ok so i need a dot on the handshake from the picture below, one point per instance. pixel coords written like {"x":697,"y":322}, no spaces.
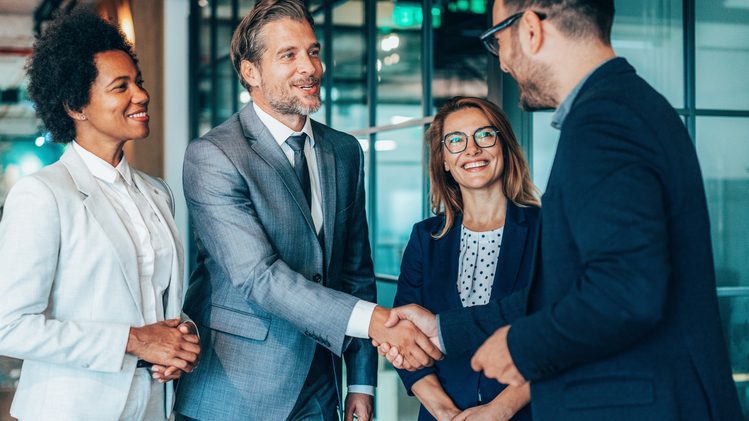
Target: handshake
{"x":171,"y":346}
{"x":406,"y":336}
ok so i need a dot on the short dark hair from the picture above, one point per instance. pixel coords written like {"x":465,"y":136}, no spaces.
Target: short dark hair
{"x":62,"y":68}
{"x":246,"y":43}
{"x":575,"y":18}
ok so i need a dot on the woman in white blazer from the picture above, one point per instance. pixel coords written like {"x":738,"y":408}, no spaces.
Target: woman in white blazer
{"x":90,"y":261}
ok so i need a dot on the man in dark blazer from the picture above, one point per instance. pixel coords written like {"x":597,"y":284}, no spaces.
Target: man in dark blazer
{"x":621,"y":317}
{"x":284,"y":284}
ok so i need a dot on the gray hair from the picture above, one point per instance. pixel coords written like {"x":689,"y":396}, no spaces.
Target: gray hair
{"x":246,"y":43}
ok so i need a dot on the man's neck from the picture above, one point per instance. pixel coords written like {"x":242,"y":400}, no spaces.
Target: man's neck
{"x":578,"y":63}
{"x":293,"y":121}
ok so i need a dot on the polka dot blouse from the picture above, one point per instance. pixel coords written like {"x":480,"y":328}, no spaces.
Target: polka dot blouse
{"x":479,"y":254}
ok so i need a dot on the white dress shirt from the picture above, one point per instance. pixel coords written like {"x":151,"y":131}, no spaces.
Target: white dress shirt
{"x":358,"y":324}
{"x":154,"y":249}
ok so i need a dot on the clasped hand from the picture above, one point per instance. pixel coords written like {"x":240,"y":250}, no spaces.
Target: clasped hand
{"x":406,"y":335}
{"x":493,"y":357}
{"x":171,"y":346}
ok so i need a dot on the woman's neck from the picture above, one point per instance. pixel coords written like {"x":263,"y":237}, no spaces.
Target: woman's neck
{"x":484,"y":210}
{"x":110,"y":152}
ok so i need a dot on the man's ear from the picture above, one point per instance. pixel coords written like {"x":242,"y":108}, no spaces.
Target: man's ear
{"x":532,"y":32}
{"x":250,"y":73}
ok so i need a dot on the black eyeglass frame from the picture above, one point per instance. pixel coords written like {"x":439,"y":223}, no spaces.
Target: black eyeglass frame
{"x":490,"y":41}
{"x":473,"y":136}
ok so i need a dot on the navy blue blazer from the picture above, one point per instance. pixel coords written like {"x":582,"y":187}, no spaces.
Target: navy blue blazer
{"x":623,"y":316}
{"x":429,"y":276}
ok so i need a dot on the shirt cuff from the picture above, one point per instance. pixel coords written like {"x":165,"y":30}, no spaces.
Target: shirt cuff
{"x":358,"y":323}
{"x":361,"y":388}
{"x":439,"y":336}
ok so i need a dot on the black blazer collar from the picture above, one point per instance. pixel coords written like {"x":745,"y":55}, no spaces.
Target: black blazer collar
{"x":514,"y":242}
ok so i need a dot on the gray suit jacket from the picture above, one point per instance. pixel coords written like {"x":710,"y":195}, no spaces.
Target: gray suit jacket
{"x":258,"y":294}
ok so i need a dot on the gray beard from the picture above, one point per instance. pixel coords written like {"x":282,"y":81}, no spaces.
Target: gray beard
{"x":290,"y":106}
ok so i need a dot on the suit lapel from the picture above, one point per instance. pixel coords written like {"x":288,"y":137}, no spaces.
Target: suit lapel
{"x":327,"y":175}
{"x":262,"y":142}
{"x":447,"y":250}
{"x":102,"y":211}
{"x":158,"y":200}
{"x":511,"y":252}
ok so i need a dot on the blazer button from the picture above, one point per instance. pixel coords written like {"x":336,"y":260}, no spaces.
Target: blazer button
{"x":317,"y":278}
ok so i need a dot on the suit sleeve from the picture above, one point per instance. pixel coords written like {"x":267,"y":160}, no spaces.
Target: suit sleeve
{"x":616,"y":213}
{"x":227,"y":224}
{"x":29,"y":255}
{"x":410,"y":284}
{"x":357,"y":278}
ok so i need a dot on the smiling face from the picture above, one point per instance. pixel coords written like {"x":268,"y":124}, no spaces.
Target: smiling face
{"x":475,"y":168}
{"x":287,"y":79}
{"x":118,"y":106}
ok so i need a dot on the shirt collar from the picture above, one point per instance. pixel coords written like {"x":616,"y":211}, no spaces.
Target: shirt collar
{"x":557,"y":120}
{"x":280,"y":131}
{"x":101,"y":169}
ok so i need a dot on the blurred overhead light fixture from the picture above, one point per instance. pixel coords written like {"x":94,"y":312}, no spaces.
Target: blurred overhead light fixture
{"x":736,"y":4}
{"x":390,"y":42}
{"x":125,"y":17}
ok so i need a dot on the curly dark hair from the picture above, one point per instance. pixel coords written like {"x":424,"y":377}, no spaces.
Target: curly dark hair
{"x":61,"y":68}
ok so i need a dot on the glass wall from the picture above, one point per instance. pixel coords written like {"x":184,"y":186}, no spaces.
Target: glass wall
{"x":390,"y":64}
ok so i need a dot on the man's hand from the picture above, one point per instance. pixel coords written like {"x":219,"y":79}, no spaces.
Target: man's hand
{"x":419,"y":316}
{"x":416,"y":348}
{"x":494,"y":359}
{"x":164,"y":344}
{"x":165,"y":374}
{"x":360,"y":404}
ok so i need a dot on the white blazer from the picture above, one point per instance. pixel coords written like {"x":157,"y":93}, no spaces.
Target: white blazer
{"x":69,"y":292}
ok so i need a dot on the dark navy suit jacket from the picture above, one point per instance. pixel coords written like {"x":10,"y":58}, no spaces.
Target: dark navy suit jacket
{"x":429,"y":276}
{"x":622,"y":317}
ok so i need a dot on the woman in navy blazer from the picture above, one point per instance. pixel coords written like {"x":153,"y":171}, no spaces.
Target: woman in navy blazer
{"x":481,"y":189}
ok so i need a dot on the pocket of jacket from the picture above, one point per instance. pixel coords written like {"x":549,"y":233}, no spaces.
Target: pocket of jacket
{"x":609,"y":391}
{"x":238,"y":323}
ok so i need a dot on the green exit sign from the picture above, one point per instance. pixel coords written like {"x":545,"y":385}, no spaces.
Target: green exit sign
{"x":409,"y":15}
{"x":471,"y":6}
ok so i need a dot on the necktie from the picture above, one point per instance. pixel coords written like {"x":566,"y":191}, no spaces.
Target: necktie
{"x":296,"y":143}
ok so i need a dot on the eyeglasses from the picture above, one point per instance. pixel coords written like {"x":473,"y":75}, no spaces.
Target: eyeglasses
{"x":489,"y":37}
{"x":457,"y":142}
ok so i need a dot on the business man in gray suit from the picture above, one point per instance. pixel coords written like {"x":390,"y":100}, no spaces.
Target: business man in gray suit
{"x":284,"y":283}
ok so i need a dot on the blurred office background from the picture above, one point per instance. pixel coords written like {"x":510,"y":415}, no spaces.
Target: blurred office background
{"x":389,"y":65}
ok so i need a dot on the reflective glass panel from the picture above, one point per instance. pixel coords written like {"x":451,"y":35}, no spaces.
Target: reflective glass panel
{"x":398,"y":61}
{"x":722,"y":54}
{"x":399,"y":194}
{"x":734,"y":312}
{"x":723,"y":150}
{"x":349,"y":93}
{"x":649,"y":34}
{"x":460,"y":61}
{"x":545,"y":140}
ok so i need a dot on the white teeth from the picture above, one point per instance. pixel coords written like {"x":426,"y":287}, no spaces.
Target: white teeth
{"x":475,"y":164}
{"x":138,"y":115}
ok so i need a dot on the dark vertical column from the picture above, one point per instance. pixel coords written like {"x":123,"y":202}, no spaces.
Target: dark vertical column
{"x":328,"y":60}
{"x":214,"y":64}
{"x":234,"y":86}
{"x":370,"y":22}
{"x":427,"y":100}
{"x":690,"y":82}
